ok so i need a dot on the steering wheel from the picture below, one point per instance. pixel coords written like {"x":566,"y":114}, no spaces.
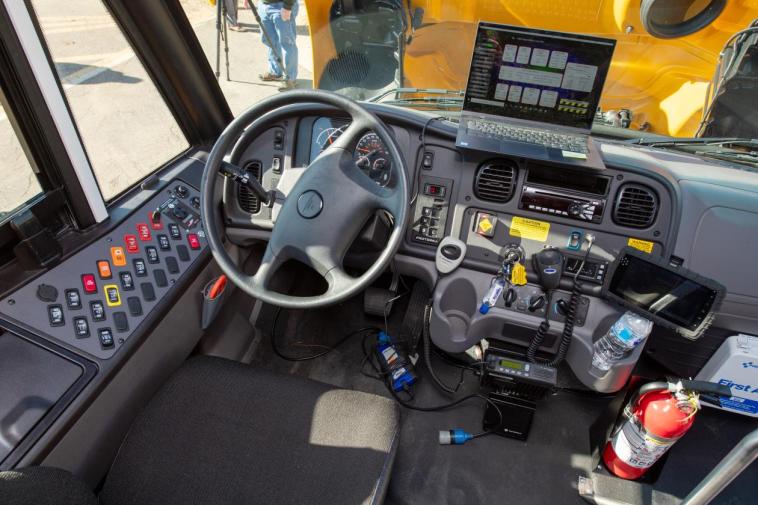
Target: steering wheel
{"x":322,"y":214}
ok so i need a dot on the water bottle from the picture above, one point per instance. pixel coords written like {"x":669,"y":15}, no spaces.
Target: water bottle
{"x":627,"y":333}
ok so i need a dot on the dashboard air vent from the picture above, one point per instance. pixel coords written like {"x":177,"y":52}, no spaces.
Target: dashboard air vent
{"x":247,"y":200}
{"x":495,"y":180}
{"x":636,"y":206}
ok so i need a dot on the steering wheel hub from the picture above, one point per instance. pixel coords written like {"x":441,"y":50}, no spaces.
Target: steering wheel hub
{"x":309,"y":204}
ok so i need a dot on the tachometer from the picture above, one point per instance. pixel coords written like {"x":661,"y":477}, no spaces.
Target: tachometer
{"x":372,"y":158}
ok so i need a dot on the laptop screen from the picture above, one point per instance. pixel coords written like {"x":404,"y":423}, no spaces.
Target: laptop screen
{"x":539,"y":75}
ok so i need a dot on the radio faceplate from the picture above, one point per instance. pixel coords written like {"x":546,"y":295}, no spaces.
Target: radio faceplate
{"x":556,"y":203}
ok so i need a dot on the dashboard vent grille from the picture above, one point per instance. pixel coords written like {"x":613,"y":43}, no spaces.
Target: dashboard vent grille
{"x":636,"y":206}
{"x":495,"y":180}
{"x":247,"y":200}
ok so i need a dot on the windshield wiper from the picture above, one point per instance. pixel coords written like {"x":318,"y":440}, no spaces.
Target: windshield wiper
{"x":735,"y":150}
{"x":752,"y":144}
{"x":431,"y":96}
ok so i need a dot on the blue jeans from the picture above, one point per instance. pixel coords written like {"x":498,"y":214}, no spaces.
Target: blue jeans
{"x":283,"y":37}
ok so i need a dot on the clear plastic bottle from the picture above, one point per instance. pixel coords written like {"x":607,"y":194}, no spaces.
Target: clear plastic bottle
{"x":627,"y":333}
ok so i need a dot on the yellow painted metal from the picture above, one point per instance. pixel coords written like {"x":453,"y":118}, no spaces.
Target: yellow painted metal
{"x":663,"y":81}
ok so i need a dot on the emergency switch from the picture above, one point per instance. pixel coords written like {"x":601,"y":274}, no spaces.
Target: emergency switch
{"x":485,"y":224}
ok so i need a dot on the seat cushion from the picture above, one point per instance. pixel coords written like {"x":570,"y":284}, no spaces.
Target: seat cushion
{"x":43,"y":486}
{"x":224,"y":432}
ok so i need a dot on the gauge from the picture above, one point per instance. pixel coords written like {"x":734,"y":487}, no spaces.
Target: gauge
{"x":372,"y":158}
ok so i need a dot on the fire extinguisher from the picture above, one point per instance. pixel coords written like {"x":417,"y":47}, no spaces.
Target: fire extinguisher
{"x":658,"y":415}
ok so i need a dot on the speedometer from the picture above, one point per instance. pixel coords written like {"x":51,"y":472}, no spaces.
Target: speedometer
{"x":372,"y":158}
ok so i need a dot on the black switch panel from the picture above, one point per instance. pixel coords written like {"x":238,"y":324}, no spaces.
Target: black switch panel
{"x":148,"y":253}
{"x":105,"y":335}
{"x":148,"y":293}
{"x":97,"y":310}
{"x":120,"y":322}
{"x":55,"y":315}
{"x":160,"y":278}
{"x":171,"y":265}
{"x":81,"y":327}
{"x":431,"y":210}
{"x":183,"y":252}
{"x":135,"y":305}
{"x":73,"y":299}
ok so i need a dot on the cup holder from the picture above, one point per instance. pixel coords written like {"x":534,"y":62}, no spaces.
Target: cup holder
{"x":452,"y":315}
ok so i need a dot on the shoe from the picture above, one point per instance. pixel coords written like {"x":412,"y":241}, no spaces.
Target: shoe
{"x":287,"y":85}
{"x":235,"y":28}
{"x":268,"y":77}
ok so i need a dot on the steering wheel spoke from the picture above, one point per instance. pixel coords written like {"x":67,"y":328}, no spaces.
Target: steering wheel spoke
{"x":338,"y":280}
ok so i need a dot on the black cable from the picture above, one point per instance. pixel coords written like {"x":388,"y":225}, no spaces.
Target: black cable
{"x":313,"y":356}
{"x":428,"y":352}
{"x":383,"y":377}
{"x":539,"y":337}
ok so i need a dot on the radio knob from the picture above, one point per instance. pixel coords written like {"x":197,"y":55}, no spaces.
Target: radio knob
{"x":574,"y":209}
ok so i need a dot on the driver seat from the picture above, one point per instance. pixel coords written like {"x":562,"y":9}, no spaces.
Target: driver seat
{"x":223,"y":432}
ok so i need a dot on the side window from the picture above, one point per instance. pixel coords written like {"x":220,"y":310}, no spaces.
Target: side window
{"x":19,"y":178}
{"x":127,"y":129}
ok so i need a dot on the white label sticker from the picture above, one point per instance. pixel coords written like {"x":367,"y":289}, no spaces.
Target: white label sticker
{"x":635,"y":449}
{"x":579,"y":77}
{"x":509,"y":53}
{"x":523,"y":55}
{"x":530,"y":76}
{"x":530,"y":96}
{"x":514,"y":94}
{"x":558,"y":59}
{"x":549,"y":98}
{"x":501,"y":91}
{"x":539,"y":57}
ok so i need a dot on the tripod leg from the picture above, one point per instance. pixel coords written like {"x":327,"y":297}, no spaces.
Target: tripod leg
{"x":226,"y":44}
{"x":218,"y":38}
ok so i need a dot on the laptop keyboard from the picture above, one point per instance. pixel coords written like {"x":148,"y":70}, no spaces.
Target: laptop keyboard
{"x":562,"y":141}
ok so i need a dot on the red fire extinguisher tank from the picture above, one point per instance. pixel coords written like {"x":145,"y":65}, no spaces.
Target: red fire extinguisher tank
{"x":657,"y":420}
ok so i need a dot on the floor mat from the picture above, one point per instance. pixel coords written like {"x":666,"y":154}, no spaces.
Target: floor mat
{"x":493,"y":469}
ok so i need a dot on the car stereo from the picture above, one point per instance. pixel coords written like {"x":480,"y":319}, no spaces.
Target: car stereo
{"x":550,"y":190}
{"x":672,"y":297}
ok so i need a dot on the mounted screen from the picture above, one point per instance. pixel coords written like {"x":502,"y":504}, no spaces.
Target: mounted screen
{"x":673,"y":297}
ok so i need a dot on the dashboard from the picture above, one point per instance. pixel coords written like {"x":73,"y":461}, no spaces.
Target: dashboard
{"x":641,"y":198}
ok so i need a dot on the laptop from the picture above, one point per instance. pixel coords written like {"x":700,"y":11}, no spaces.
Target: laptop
{"x":534,"y":93}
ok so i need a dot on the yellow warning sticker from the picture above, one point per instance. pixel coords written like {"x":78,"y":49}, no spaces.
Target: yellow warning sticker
{"x":529,"y":229}
{"x":641,"y":245}
{"x":518,"y":275}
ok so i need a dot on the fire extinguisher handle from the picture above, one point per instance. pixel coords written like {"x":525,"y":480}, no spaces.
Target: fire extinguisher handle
{"x":705,"y":387}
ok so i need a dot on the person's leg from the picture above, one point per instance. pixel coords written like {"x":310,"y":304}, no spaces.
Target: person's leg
{"x":288,"y":39}
{"x":269,"y":27}
{"x":231,"y":12}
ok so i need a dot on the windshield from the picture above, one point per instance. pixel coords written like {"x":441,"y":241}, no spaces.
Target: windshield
{"x":665,"y":77}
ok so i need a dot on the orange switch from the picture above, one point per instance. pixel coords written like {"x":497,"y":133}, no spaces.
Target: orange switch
{"x":118,"y":256}
{"x":104,"y":269}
